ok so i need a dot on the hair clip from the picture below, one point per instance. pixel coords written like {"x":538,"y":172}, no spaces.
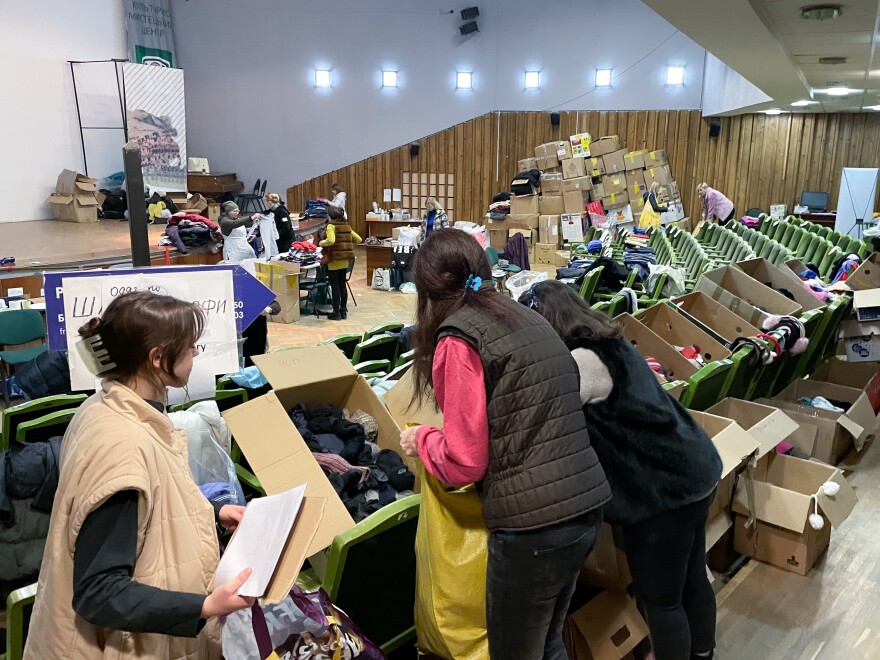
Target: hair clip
{"x":94,"y":354}
{"x":473,"y":282}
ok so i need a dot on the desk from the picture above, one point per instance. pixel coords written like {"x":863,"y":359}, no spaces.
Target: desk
{"x":214,"y":185}
{"x":384,"y":228}
{"x":827,"y":219}
{"x":378,"y":256}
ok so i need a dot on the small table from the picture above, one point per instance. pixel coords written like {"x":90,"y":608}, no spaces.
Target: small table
{"x":384,"y":228}
{"x":214,"y":185}
{"x":826,"y":219}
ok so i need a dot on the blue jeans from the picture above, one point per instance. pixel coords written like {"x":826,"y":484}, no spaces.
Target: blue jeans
{"x":530,"y":579}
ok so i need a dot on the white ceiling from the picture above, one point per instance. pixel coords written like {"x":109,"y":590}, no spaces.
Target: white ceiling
{"x":738,"y":32}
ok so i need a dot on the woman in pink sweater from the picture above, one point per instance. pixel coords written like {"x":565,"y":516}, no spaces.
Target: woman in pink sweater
{"x":716,"y":207}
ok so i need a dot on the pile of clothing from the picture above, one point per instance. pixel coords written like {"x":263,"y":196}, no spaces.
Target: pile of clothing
{"x":316,"y":208}
{"x":641,"y":259}
{"x":498,"y":211}
{"x":844,"y":267}
{"x":187,"y":230}
{"x":303,"y":253}
{"x":343,"y":442}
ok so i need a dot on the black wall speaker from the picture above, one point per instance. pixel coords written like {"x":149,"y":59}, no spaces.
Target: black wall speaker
{"x":470,"y":13}
{"x":414,"y":148}
{"x":469,"y":28}
{"x":554,"y":118}
{"x":714,"y":128}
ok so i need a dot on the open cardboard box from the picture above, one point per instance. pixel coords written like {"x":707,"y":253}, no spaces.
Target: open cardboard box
{"x":714,"y":317}
{"x":650,"y":344}
{"x":867,"y":305}
{"x":781,"y":534}
{"x":677,"y":330}
{"x":765,"y":272}
{"x":835,"y":432}
{"x":735,"y":446}
{"x":609,"y":627}
{"x":278,"y":454}
{"x":744,"y":296}
{"x":858,"y":375}
{"x":866,"y":276}
{"x":861,"y":341}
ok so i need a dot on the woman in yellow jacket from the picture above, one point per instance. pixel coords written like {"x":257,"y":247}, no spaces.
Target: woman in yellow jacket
{"x":132,"y":545}
{"x":338,"y":252}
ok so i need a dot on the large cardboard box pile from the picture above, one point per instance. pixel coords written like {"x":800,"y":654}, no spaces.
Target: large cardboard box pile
{"x":551,"y":205}
{"x":635,"y":160}
{"x":604,"y":145}
{"x":614,"y":183}
{"x":522,"y":204}
{"x":527,"y":164}
{"x":783,"y":500}
{"x":656,"y":158}
{"x":661,"y":174}
{"x":744,"y":296}
{"x":548,"y":229}
{"x":580,"y":145}
{"x":552,"y":183}
{"x":574,"y":202}
{"x":615,"y":162}
{"x":763,"y":271}
{"x":74,"y":198}
{"x":573,"y":168}
{"x":609,"y":627}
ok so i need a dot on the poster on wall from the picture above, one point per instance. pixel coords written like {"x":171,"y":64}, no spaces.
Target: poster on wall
{"x":156,"y":111}
{"x":150,"y":32}
{"x":855,"y":200}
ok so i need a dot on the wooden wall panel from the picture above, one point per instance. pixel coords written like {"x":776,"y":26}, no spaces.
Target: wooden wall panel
{"x":757,"y":160}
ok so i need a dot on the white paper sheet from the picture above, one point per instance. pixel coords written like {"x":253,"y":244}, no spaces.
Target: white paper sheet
{"x":386,"y":195}
{"x":395,"y":195}
{"x":259,"y":541}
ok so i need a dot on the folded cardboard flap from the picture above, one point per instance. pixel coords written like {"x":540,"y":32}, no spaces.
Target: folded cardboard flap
{"x":866,"y":276}
{"x":849,"y":374}
{"x":715,"y":316}
{"x":734,"y":444}
{"x":768,"y":426}
{"x":650,"y":344}
{"x":765,"y":272}
{"x":611,"y":626}
{"x":675,"y":329}
{"x":744,"y":295}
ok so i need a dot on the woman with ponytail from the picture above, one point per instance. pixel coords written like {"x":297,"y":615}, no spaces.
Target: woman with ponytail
{"x":512,"y":424}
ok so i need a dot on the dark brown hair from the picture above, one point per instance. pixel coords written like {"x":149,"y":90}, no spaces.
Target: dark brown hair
{"x":336,"y":187}
{"x":568,"y":313}
{"x":336,"y":214}
{"x":441,"y":268}
{"x":136,"y":323}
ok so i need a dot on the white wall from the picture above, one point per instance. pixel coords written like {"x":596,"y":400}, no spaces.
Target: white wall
{"x":252,"y":107}
{"x":724,"y":90}
{"x":40,"y":134}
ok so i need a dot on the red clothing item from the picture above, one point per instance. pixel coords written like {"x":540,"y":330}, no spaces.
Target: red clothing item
{"x":459,"y":454}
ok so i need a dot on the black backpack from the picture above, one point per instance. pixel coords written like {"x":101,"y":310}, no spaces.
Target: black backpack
{"x":526,"y":183}
{"x":115,"y":204}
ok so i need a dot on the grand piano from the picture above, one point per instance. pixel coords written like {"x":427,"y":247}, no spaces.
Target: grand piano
{"x":214,"y":185}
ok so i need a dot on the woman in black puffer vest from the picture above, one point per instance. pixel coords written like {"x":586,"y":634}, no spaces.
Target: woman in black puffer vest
{"x":662,"y":467}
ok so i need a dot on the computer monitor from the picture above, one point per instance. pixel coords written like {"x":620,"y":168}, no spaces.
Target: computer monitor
{"x":815,"y":201}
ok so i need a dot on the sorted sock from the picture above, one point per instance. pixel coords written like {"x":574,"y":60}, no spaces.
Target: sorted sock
{"x":399,"y":475}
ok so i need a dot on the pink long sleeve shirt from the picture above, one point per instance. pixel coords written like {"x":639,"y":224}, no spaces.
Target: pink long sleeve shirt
{"x":458,"y":454}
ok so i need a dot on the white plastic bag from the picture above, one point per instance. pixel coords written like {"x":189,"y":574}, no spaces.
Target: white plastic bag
{"x":518,"y":284}
{"x":408,"y":236}
{"x":382,"y":279}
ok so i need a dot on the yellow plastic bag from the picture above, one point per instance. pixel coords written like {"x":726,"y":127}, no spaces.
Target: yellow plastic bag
{"x":451,"y":554}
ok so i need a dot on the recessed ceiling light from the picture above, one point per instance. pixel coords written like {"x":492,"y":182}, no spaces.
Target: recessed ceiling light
{"x":838,"y":91}
{"x":832,"y":60}
{"x":389,"y":79}
{"x":872,"y":107}
{"x":532,"y":80}
{"x":464,"y":80}
{"x":603,"y":77}
{"x":773,"y":111}
{"x":322,"y":77}
{"x":675,"y":75}
{"x":820,"y":12}
{"x":800,"y":104}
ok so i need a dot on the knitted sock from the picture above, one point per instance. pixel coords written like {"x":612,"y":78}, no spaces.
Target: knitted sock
{"x":353,"y":446}
{"x":399,"y":475}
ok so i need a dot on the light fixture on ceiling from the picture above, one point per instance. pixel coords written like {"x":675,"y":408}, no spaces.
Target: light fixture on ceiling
{"x":322,"y":78}
{"x":872,"y":107}
{"x":838,"y":90}
{"x":464,"y":80}
{"x":389,"y":79}
{"x":832,"y":61}
{"x":821,"y":12}
{"x":773,"y":111}
{"x":532,"y":80}
{"x":675,"y":75}
{"x":801,"y":104}
{"x":603,"y":77}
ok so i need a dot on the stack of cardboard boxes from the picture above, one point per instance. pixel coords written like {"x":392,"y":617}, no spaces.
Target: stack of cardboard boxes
{"x":583,"y":170}
{"x":74,"y":198}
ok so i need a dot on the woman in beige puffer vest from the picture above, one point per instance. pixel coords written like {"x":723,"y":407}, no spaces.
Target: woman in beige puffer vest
{"x":132,"y":547}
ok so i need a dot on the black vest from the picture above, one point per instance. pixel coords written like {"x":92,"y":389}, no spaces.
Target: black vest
{"x":542,"y":469}
{"x":657,"y":458}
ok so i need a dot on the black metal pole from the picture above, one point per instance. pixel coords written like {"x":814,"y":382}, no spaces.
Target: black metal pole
{"x":137,"y":209}
{"x":82,"y":137}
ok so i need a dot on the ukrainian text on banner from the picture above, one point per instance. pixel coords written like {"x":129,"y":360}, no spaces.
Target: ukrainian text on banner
{"x":150,"y":32}
{"x":156,"y":110}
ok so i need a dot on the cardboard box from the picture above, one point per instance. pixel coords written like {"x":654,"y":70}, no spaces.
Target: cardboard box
{"x":581,"y":184}
{"x":614,"y":183}
{"x":545,"y":253}
{"x":573,"y":168}
{"x":548,"y":229}
{"x":857,"y":375}
{"x":289,"y":306}
{"x":614,"y":162}
{"x":636,"y":178}
{"x":529,"y":235}
{"x":527,"y":164}
{"x":197,"y":203}
{"x":548,"y":164}
{"x":498,"y":237}
{"x":778,"y":211}
{"x":615,"y":201}
{"x":574,"y":202}
{"x":280,"y":457}
{"x":713,"y":317}
{"x":835,"y":432}
{"x":74,"y":208}
{"x":71,"y":183}
{"x":560,"y":150}
{"x":743,"y":295}
{"x":213,"y":211}
{"x":620,"y":215}
{"x":650,"y":344}
{"x":677,"y":330}
{"x":282,"y":277}
{"x":735,"y":447}
{"x":551,"y":183}
{"x":604,"y":145}
{"x":598,"y":190}
{"x":661,"y":174}
{"x":552,"y":205}
{"x":520,"y":204}
{"x":656,"y":158}
{"x":580,"y":145}
{"x":609,"y":627}
{"x":867,"y":305}
{"x":595,"y":166}
{"x":765,"y":272}
{"x":563,"y":258}
{"x":635,"y":160}
{"x":866,"y":276}
{"x":606,"y":566}
{"x":783,"y":501}
{"x":522,"y":221}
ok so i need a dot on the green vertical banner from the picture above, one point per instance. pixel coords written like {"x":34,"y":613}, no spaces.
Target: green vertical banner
{"x":150,"y":32}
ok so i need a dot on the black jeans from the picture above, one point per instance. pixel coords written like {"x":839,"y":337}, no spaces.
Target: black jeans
{"x":338,"y":289}
{"x":530,"y":579}
{"x":667,"y":559}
